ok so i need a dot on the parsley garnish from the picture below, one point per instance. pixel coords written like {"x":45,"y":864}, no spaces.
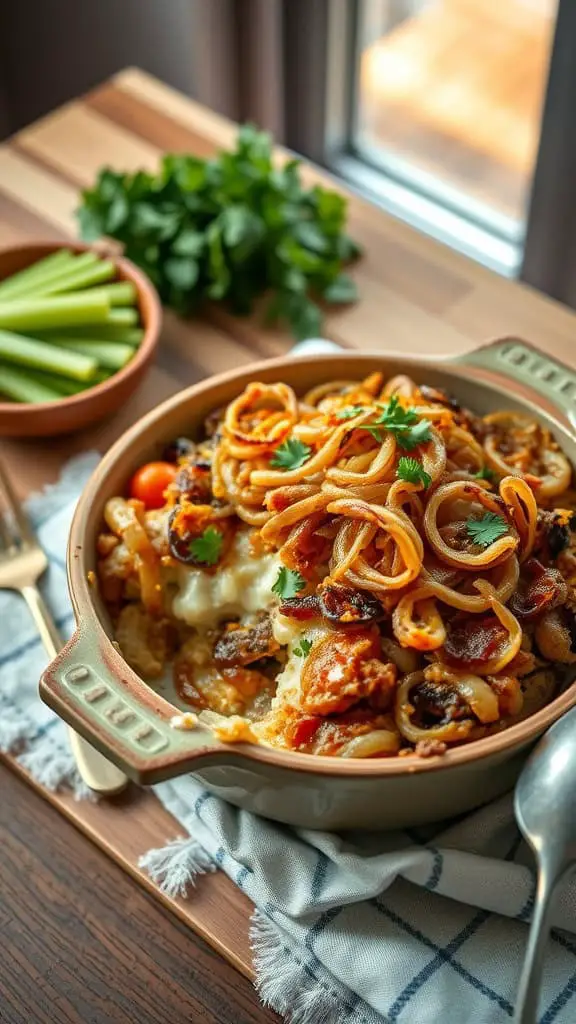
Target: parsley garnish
{"x":207,"y":547}
{"x":412,"y":471}
{"x":349,"y":412}
{"x":486,"y":529}
{"x":404,"y":424}
{"x":486,"y":474}
{"x":418,"y":434}
{"x":288,"y":583}
{"x":304,"y":649}
{"x":291,"y":454}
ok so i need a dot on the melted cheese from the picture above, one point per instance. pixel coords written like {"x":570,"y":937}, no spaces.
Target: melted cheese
{"x":242,"y":585}
{"x":234,"y":730}
{"x":288,"y":633}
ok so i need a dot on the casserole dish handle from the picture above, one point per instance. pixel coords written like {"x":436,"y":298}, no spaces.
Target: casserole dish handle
{"x":511,"y":360}
{"x":87,"y":689}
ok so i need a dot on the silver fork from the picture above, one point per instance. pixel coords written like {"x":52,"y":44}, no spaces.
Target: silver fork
{"x":22,"y":562}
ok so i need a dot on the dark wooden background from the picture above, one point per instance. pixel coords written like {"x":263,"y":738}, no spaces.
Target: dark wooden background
{"x":80,"y":943}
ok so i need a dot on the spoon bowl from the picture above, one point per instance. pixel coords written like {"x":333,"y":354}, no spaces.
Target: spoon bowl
{"x":545,"y":807}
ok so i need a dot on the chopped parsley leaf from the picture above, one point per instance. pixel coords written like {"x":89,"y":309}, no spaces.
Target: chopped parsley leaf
{"x":208,"y":546}
{"x":404,"y":424}
{"x":304,"y":649}
{"x":349,"y":412}
{"x":486,"y":529}
{"x":291,"y":454}
{"x":288,"y":583}
{"x":412,"y":471}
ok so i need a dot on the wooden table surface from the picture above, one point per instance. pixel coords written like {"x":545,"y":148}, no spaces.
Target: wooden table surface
{"x":80,"y":941}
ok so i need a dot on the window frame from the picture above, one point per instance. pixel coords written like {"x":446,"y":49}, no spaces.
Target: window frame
{"x":414,"y":195}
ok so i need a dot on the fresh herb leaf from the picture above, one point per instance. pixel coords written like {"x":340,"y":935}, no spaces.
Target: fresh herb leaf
{"x":342,"y":289}
{"x":117,"y":213}
{"x":403,"y":423}
{"x":291,"y":454}
{"x":349,"y":412}
{"x":288,"y":583}
{"x":304,"y":317}
{"x":91,"y":223}
{"x":245,"y":227}
{"x":487,"y":528}
{"x":395,"y":415}
{"x":181,"y":271}
{"x":304,"y":649}
{"x":188,"y":243}
{"x":486,"y":474}
{"x":413,"y":436}
{"x":310,"y":236}
{"x":153,"y":222}
{"x":347,"y":249}
{"x":412,"y":471}
{"x":207,"y":547}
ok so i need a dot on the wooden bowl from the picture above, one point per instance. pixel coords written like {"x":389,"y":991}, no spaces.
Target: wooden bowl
{"x":46,"y":419}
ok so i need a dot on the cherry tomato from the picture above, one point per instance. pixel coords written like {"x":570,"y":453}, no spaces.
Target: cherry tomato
{"x":150,"y":481}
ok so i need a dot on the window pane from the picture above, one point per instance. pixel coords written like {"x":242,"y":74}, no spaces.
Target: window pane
{"x":450,"y":94}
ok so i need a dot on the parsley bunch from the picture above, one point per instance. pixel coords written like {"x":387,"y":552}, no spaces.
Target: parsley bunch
{"x":229,"y":228}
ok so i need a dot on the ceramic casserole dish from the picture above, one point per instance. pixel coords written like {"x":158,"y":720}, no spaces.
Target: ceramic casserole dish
{"x":99,"y":695}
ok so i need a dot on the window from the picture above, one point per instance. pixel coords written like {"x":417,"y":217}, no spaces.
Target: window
{"x":434,"y":108}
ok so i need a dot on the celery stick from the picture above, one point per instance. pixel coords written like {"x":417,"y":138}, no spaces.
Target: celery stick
{"x":11,"y":286}
{"x":53,"y":311}
{"x":63,"y":385}
{"x":97,"y":332}
{"x":18,"y":385}
{"x":112,"y":355}
{"x":41,"y":355}
{"x":122,"y":315}
{"x":118,"y":294}
{"x":73,"y":278}
{"x":66,"y":386}
{"x":37,"y":287}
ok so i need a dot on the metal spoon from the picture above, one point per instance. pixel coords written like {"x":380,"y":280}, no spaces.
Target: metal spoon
{"x":545,"y":805}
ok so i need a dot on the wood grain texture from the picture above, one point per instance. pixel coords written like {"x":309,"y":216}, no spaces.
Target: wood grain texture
{"x":415,"y":295}
{"x":127,"y":826}
{"x":80,"y":943}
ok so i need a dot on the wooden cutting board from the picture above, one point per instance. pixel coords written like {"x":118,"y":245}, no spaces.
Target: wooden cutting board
{"x":415,"y":296}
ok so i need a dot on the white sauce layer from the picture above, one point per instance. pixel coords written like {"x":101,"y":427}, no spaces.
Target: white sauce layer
{"x":242,"y":585}
{"x":288,"y":633}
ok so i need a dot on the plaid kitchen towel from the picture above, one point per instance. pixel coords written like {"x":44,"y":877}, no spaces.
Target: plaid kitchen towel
{"x":426,"y":926}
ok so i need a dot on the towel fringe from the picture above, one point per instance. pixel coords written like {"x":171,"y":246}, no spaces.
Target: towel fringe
{"x":75,"y":473}
{"x":53,"y":766}
{"x":174,"y":867}
{"x":15,"y":729}
{"x":286,"y":984}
